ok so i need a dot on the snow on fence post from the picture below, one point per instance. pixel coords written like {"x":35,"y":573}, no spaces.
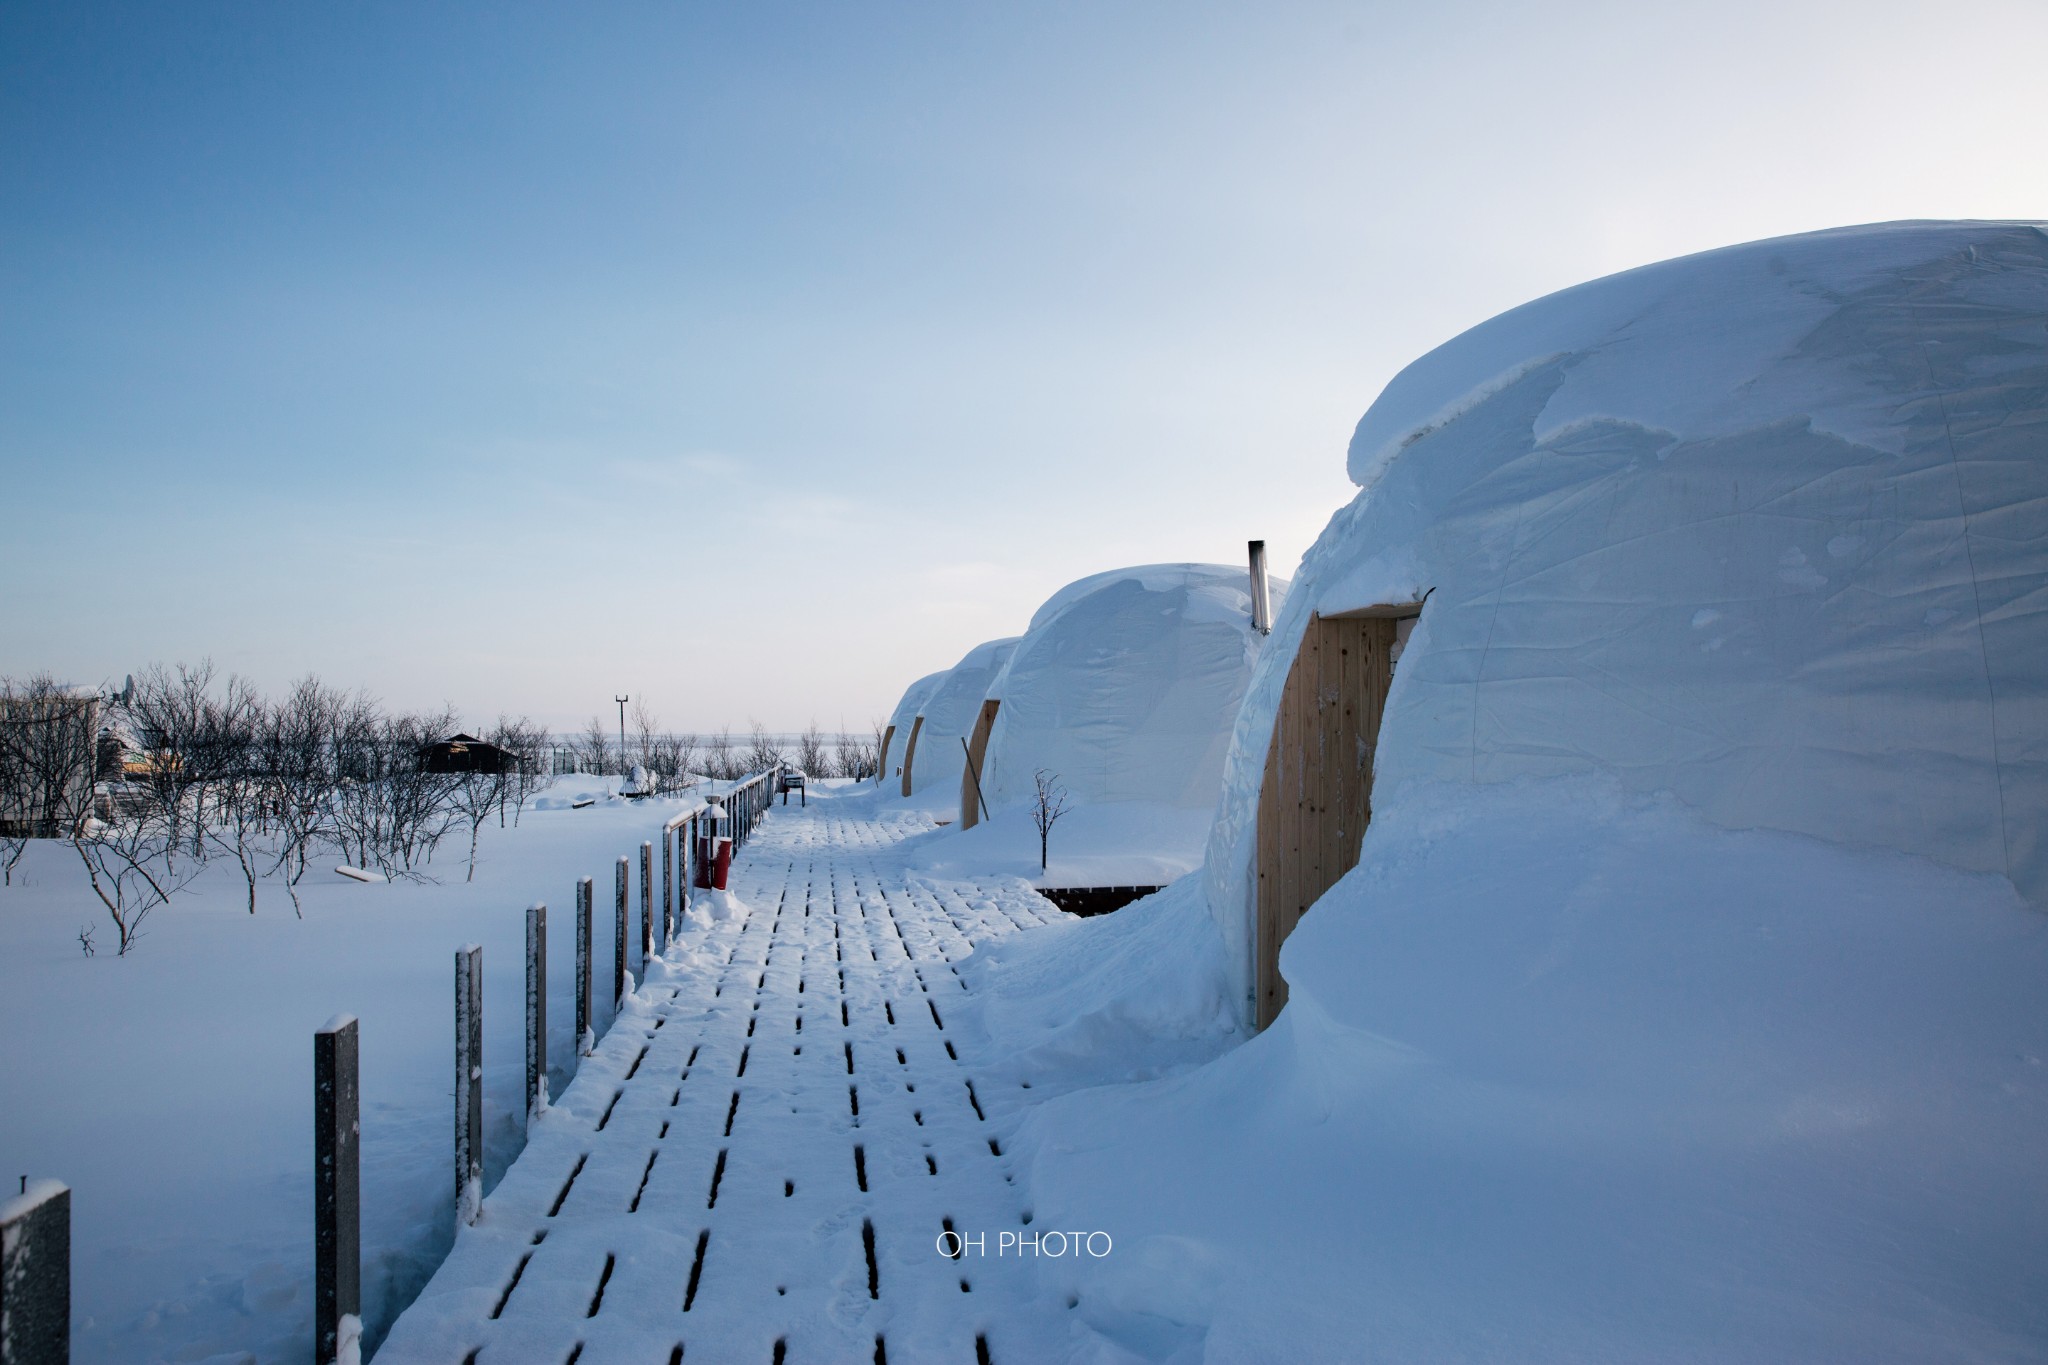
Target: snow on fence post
{"x":536,"y":1012}
{"x":35,"y":1275}
{"x":668,"y":882}
{"x":619,"y":959}
{"x":337,"y":1193}
{"x":646,"y":904}
{"x":689,"y":835}
{"x":586,"y":1038}
{"x":469,"y":1082}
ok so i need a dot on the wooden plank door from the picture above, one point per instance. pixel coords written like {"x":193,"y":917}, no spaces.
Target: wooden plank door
{"x":973,"y":776}
{"x":1317,"y":796}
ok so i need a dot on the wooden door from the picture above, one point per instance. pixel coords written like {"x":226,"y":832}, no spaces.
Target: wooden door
{"x":910,"y":752}
{"x":1317,"y":797}
{"x":971,"y":776}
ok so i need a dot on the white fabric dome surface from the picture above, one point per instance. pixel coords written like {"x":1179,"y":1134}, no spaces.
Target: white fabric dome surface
{"x":900,"y":719}
{"x":1125,"y":687}
{"x":949,"y":714}
{"x":1765,"y":528}
{"x":1682,"y":1005}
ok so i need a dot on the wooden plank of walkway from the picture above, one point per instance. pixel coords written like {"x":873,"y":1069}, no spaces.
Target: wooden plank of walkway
{"x":760,"y":1159}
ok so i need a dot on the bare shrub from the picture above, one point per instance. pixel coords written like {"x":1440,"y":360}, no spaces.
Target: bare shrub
{"x":48,"y":748}
{"x":811,"y":754}
{"x":762,"y":752}
{"x":720,"y":763}
{"x":594,"y":748}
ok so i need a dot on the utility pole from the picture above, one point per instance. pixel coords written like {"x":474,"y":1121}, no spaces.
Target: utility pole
{"x":622,"y":730}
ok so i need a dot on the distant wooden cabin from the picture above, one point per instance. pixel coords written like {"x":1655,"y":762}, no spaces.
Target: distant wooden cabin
{"x":468,"y":754}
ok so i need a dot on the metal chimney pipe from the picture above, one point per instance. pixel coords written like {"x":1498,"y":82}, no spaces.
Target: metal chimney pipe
{"x":1262,"y":607}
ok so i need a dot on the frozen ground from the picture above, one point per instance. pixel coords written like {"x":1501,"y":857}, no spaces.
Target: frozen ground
{"x":1565,"y":1075}
{"x":173,"y":1088}
{"x":1114,"y":843}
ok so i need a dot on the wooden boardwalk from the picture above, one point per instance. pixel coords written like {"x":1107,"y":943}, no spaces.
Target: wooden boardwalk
{"x":759,"y":1162}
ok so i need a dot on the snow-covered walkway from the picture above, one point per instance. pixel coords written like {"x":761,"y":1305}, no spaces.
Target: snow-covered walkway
{"x":760,"y":1160}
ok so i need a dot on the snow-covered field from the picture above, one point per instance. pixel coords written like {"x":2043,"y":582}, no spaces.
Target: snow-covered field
{"x":1564,"y":1075}
{"x":172,"y":1089}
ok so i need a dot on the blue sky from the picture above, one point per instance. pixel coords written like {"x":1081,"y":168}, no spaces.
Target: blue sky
{"x":756,"y":359}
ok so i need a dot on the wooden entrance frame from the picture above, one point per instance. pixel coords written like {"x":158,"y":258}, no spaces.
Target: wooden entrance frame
{"x":971,"y":775}
{"x":882,"y":759}
{"x":910,"y":752}
{"x":1316,"y":799}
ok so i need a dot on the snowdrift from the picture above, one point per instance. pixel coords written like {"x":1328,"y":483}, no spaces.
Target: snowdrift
{"x":1685,"y":1001}
{"x":1566,"y":1074}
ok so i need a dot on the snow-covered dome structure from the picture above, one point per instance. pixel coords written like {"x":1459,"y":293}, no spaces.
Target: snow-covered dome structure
{"x":1765,"y":529}
{"x":1125,"y":686}
{"x":896,"y":738}
{"x":936,"y":755}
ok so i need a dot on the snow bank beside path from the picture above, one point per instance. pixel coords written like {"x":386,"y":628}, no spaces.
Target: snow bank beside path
{"x":1119,"y":997}
{"x":173,"y":1089}
{"x":1123,"y":843}
{"x":1568,"y":1075}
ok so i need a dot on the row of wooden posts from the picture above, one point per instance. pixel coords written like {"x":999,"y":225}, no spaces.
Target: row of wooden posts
{"x":35,"y":1226}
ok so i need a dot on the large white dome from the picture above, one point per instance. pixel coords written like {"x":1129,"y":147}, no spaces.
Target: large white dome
{"x":1764,"y":528}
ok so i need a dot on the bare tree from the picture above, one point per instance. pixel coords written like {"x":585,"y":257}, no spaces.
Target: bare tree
{"x":672,"y":757}
{"x":762,"y":752}
{"x":49,"y":736}
{"x":355,"y":810}
{"x":131,"y":866}
{"x":810,"y":751}
{"x":47,"y":751}
{"x":474,"y":795}
{"x":719,"y":763}
{"x":168,"y":712}
{"x":1048,"y":804}
{"x":646,"y":733}
{"x":419,"y":800}
{"x":300,"y":751}
{"x":871,"y":748}
{"x":390,"y":809}
{"x":232,"y":812}
{"x":596,"y":747}
{"x":528,"y":745}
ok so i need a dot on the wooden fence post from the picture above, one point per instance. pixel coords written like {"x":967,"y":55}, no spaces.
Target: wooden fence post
{"x":337,"y":1192}
{"x":469,"y":1082}
{"x":668,"y":885}
{"x":536,"y":1086}
{"x":646,"y":905}
{"x":586,"y":1039}
{"x":619,"y":961}
{"x":35,"y":1275}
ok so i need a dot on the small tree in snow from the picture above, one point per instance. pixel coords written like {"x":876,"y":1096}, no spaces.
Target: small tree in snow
{"x":1047,"y":806}
{"x":132,"y":867}
{"x":532,"y":767}
{"x":810,"y":752}
{"x":646,"y":736}
{"x":719,"y":763}
{"x":762,"y":752}
{"x":596,"y":748}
